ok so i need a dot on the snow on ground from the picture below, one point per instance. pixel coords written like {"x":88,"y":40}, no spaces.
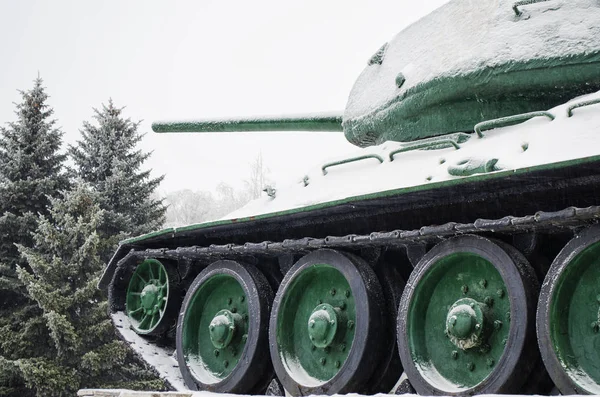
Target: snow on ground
{"x":534,"y":142}
{"x":161,"y":359}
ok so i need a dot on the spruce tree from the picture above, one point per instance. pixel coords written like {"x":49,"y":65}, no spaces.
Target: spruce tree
{"x":66,"y":264}
{"x":31,"y":172}
{"x":108,"y":160}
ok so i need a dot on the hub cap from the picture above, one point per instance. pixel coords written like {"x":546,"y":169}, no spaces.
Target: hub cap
{"x":322,"y":325}
{"x":147,"y":296}
{"x":465,"y":322}
{"x":222,"y":328}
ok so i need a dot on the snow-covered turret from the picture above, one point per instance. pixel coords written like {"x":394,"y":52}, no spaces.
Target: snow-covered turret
{"x":443,"y":75}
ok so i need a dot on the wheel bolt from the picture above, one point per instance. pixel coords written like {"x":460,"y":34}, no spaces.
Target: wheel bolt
{"x":483,"y":283}
{"x":226,"y":363}
{"x":229,"y":301}
{"x":490,"y":362}
{"x":242,"y":298}
{"x":212,"y":327}
{"x":332,"y":322}
{"x":332,"y":292}
{"x":319,"y":302}
{"x":464,"y":289}
{"x":504,"y":341}
{"x":454,"y":354}
{"x":343,"y":347}
{"x":244,"y":338}
{"x":477,"y":326}
{"x":497,"y":324}
{"x":500,"y":293}
{"x":453,"y":320}
{"x":343,"y":306}
{"x":595,"y":327}
{"x":347,"y":293}
{"x":507,"y":316}
{"x":234,"y":310}
{"x":350,"y":325}
{"x":489,"y":301}
{"x":217,"y":353}
{"x":470,"y":366}
{"x":312,"y":323}
{"x":337,"y":363}
{"x":323,"y":360}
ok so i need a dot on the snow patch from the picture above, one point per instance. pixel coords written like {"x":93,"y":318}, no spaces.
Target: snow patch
{"x":161,"y":359}
{"x":535,"y":142}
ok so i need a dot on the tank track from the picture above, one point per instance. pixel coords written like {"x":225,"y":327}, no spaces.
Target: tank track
{"x":568,"y":220}
{"x":565,"y":220}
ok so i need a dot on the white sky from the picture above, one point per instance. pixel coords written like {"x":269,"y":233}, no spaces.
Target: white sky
{"x":198,"y":59}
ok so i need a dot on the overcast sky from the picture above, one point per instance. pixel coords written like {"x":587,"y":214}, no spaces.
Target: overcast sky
{"x":198,"y":59}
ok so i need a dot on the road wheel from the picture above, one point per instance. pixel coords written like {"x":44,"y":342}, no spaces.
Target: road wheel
{"x":222,"y":331}
{"x":325,"y":327}
{"x":568,"y":319}
{"x":466,"y":321}
{"x":152,"y":297}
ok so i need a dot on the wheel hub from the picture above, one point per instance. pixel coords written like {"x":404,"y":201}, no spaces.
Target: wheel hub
{"x":222,"y":328}
{"x":150,"y":296}
{"x":322,"y":325}
{"x":465,"y":323}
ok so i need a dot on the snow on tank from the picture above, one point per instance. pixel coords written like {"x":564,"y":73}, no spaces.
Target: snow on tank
{"x":470,"y":61}
{"x":466,"y":62}
{"x":566,"y":132}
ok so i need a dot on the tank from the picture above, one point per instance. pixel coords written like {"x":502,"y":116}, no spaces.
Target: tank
{"x":455,"y":253}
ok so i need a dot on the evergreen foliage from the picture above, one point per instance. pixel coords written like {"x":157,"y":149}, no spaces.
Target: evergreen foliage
{"x":66,"y":265}
{"x":31,"y":172}
{"x":108,"y":160}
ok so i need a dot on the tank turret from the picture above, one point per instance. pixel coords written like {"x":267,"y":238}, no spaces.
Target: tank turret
{"x":442,"y":75}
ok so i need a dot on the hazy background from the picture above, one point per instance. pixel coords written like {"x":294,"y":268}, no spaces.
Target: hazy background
{"x":192,"y":59}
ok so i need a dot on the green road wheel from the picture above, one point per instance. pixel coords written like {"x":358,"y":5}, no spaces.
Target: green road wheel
{"x":222,"y":334}
{"x":466,"y":319}
{"x":151,"y":287}
{"x":568,"y":318}
{"x":325,"y":327}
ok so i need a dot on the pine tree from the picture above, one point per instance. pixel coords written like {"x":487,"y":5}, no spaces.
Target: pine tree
{"x":66,"y":265}
{"x":108,"y":160}
{"x":31,"y":171}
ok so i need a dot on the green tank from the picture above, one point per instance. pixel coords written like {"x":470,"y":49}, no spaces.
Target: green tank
{"x":457,"y":252}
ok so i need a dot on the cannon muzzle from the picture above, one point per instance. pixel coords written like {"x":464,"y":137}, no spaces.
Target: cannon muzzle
{"x":310,"y":122}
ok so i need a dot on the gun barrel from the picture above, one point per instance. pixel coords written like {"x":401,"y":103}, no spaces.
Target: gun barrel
{"x":310,"y":122}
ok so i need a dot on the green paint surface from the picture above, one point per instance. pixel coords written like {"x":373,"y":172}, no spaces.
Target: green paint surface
{"x":449,"y":282}
{"x":315,"y":122}
{"x":211,"y":348}
{"x":574,"y":319}
{"x":317,"y":290}
{"x":456,"y":102}
{"x":147,"y":296}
